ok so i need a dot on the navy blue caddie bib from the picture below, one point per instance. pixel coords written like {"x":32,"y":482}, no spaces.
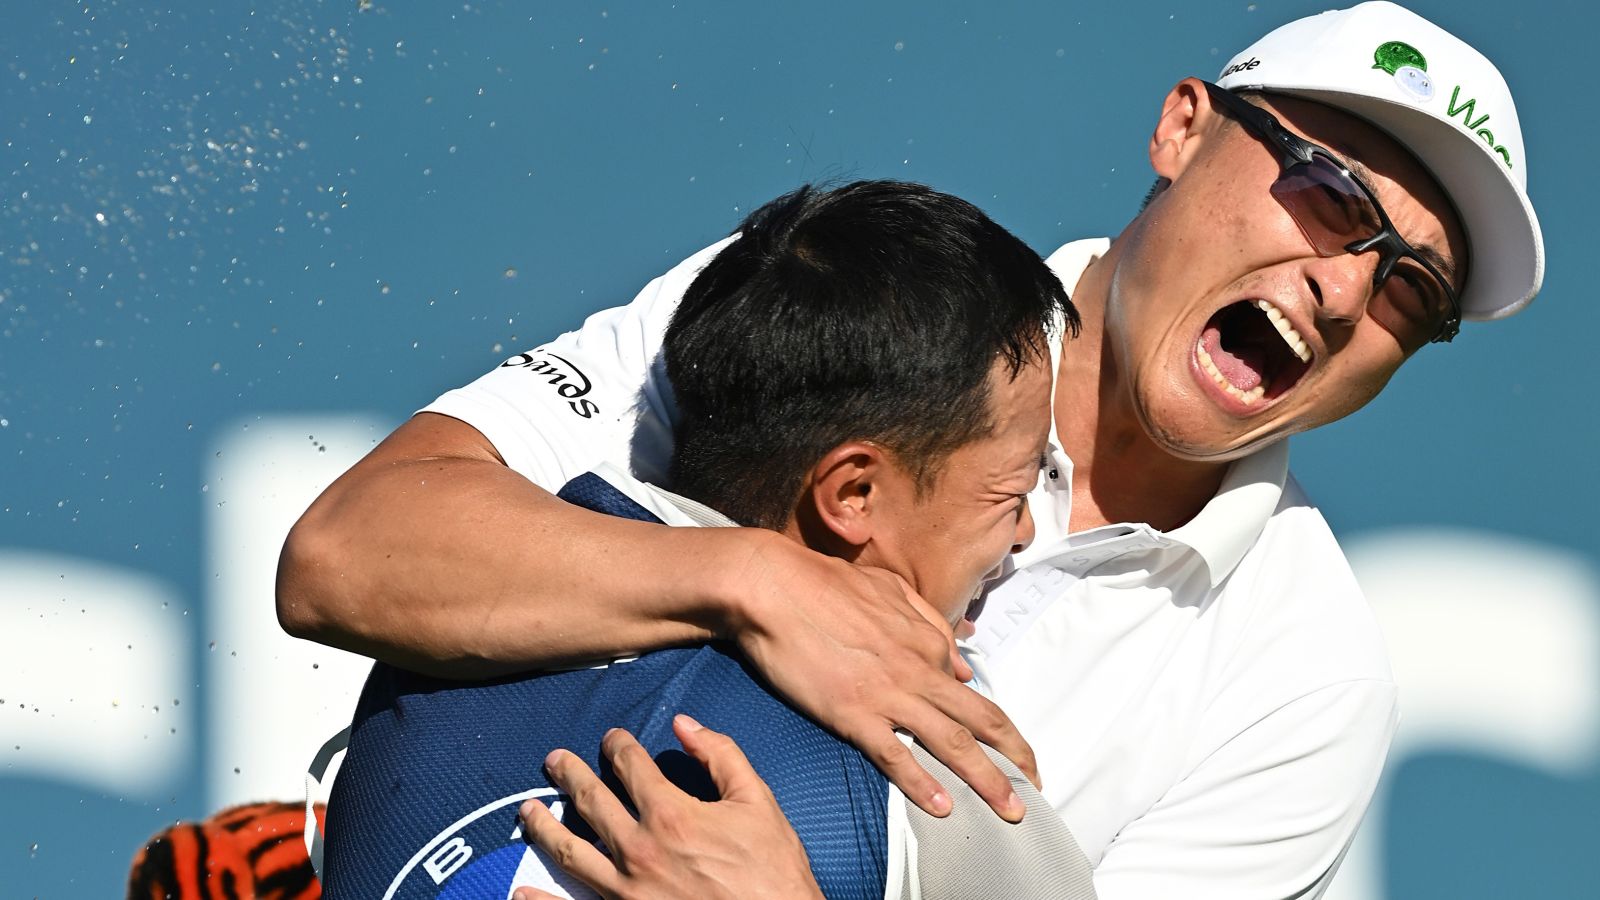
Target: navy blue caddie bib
{"x":425,"y":804}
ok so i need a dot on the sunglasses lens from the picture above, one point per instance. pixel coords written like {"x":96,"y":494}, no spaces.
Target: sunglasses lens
{"x":1334,"y":212}
{"x":1410,"y":304}
{"x":1331,"y":209}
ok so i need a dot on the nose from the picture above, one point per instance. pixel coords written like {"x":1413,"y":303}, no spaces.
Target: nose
{"x":1024,"y":535}
{"x":1342,"y":285}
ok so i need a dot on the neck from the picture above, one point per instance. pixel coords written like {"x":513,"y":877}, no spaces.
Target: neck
{"x":1119,"y":473}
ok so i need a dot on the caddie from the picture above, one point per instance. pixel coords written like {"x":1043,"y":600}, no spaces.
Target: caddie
{"x":1205,"y":692}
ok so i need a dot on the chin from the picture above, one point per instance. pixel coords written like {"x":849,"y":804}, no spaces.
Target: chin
{"x":1186,"y":426}
{"x":1224,"y":450}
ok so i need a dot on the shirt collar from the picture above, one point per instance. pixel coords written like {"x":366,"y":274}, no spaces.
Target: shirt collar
{"x":670,"y":508}
{"x":1072,"y":258}
{"x":1229,"y":524}
{"x":1068,"y":263}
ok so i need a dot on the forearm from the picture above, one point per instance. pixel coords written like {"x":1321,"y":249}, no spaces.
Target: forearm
{"x":462,"y":568}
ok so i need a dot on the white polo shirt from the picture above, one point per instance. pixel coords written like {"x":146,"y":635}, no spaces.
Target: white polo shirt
{"x":1210,"y":706}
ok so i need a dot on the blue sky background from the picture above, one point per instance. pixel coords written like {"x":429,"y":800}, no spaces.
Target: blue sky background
{"x":297,"y":206}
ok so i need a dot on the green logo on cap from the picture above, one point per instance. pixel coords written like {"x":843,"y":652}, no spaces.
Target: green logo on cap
{"x":1409,"y":68}
{"x":1392,"y":56}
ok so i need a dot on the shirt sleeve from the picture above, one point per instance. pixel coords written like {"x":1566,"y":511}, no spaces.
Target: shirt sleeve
{"x":974,"y":853}
{"x":1270,"y":813}
{"x":597,"y":394}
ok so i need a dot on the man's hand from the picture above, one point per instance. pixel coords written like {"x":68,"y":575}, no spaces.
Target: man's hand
{"x":857,"y":650}
{"x":680,"y":846}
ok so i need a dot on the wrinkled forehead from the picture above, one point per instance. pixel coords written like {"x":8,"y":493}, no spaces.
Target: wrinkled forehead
{"x":1412,"y":197}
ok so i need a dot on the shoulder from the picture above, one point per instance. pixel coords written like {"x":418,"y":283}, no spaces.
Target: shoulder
{"x":1305,"y":598}
{"x":598,"y":392}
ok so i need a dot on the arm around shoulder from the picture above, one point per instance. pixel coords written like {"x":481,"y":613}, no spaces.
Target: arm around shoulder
{"x":433,"y":555}
{"x":444,"y":552}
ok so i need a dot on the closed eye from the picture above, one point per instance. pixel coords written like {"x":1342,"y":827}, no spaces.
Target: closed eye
{"x":1420,"y":297}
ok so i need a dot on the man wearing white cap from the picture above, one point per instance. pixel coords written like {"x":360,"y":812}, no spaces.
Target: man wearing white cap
{"x":1183,"y":645}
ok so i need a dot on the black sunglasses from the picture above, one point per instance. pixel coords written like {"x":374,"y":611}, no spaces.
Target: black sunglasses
{"x":1339,"y":214}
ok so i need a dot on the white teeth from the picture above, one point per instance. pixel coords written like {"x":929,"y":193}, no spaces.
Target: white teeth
{"x":1249,"y":398}
{"x":1286,"y":331}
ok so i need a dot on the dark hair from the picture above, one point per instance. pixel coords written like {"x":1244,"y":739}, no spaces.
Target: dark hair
{"x":873,"y":311}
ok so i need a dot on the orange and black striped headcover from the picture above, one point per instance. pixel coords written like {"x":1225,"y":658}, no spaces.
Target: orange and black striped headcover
{"x":251,"y":852}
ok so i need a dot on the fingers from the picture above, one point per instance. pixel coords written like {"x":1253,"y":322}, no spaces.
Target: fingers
{"x":577,"y":856}
{"x":884,"y":749}
{"x":638,"y":772}
{"x":965,"y":629}
{"x":528,"y":893}
{"x":590,"y":796}
{"x":989,"y":724}
{"x":940,"y":728}
{"x":730,"y":769}
{"x":956,"y":747}
{"x":958,"y":666}
{"x":1012,"y":746}
{"x":926,"y":611}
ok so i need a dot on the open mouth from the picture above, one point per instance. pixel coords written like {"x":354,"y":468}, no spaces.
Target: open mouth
{"x":1252,"y":352}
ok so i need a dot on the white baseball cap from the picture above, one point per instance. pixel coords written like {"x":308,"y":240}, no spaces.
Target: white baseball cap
{"x":1440,"y":99}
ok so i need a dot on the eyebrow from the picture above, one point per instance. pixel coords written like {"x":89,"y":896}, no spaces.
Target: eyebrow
{"x":1360,"y":171}
{"x":1445,"y":264}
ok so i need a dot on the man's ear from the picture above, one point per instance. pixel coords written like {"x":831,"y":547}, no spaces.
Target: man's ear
{"x":843,"y":495}
{"x":1187,"y":119}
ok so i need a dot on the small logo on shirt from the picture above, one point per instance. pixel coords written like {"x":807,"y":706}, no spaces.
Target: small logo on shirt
{"x":569,"y":381}
{"x":486,"y":855}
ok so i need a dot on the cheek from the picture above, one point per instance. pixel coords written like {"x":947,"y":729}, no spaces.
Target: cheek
{"x":1354,"y":383}
{"x":966,"y":555}
{"x":1133,"y":305}
{"x":1147,"y":247}
{"x":1178,"y":260}
{"x":992,"y":546}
